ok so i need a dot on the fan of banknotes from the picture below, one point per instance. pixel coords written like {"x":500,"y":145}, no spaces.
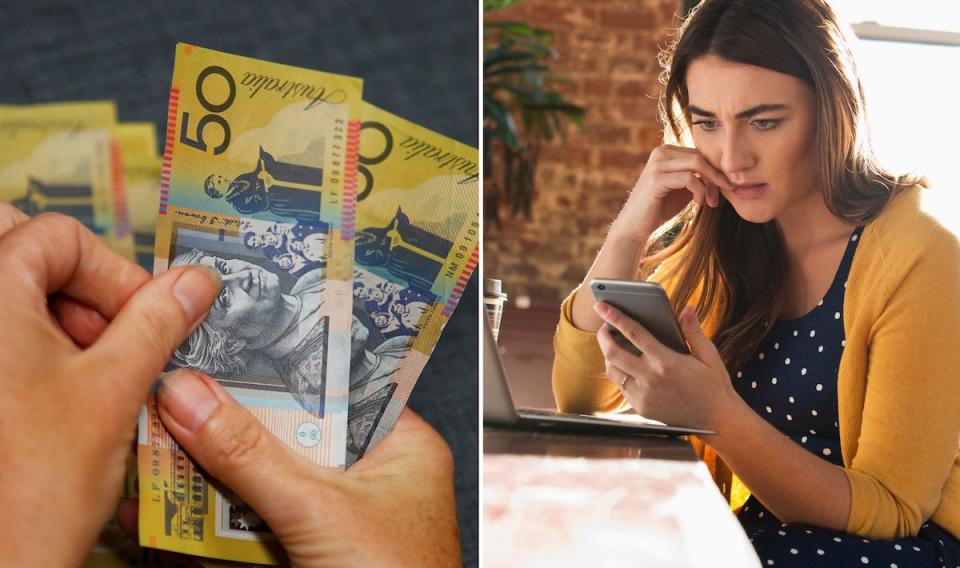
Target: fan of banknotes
{"x":344,"y":236}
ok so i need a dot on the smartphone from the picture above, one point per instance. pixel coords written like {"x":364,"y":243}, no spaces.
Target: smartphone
{"x":645,"y":302}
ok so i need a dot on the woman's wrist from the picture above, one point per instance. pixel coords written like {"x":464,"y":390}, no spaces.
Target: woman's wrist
{"x":728,"y":412}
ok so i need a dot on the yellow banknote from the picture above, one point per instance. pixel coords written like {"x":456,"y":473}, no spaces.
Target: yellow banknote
{"x":416,"y":247}
{"x":258,"y":182}
{"x":63,"y":157}
{"x":141,"y":178}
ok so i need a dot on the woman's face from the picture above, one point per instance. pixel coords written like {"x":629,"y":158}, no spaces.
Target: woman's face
{"x":773,"y":146}
{"x":249,"y":296}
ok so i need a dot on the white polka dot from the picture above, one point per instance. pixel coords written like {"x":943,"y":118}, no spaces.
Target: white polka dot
{"x":836,"y":539}
{"x":917,"y":548}
{"x":753,"y":385}
{"x":813,"y":332}
{"x":739,"y":374}
{"x":760,"y":357}
{"x":893,"y":565}
{"x":836,"y":315}
{"x":776,"y":346}
{"x":803,"y":440}
{"x":789,"y":417}
{"x":819,"y":387}
{"x":855,"y":237}
{"x":768,"y":410}
{"x":865,"y":560}
{"x":781,"y":533}
{"x":803,"y":371}
{"x":898,"y":547}
{"x":790,"y":399}
{"x":786,"y":361}
{"x":814,"y":432}
{"x":844,"y":284}
{"x":843,"y":343}
{"x":808,"y":531}
{"x":795,"y":333}
{"x":813,"y":412}
{"x":770,"y":562}
{"x":820,"y":349}
{"x":773,"y":381}
{"x":793,"y":551}
{"x":827,"y":452}
{"x":820,"y":551}
{"x":760,"y":515}
{"x":820,"y":303}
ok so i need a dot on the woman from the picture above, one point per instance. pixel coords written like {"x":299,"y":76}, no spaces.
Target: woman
{"x":827,"y":362}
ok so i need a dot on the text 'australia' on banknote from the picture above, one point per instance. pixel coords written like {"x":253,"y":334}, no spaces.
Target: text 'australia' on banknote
{"x":416,"y":246}
{"x":257,"y":153}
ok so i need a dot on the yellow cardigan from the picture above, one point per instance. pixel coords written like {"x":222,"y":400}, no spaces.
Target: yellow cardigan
{"x":898,"y":385}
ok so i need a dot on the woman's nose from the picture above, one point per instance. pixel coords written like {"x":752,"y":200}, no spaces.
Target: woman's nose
{"x":736,"y":155}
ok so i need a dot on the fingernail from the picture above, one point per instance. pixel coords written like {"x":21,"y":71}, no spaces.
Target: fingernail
{"x":187,"y":399}
{"x":193,"y":290}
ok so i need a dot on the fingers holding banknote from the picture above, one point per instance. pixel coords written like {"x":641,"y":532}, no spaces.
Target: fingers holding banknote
{"x":393,"y":507}
{"x":74,"y":402}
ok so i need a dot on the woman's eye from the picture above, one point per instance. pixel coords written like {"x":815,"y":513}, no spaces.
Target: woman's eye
{"x":222,"y":266}
{"x":706,"y":125}
{"x":766,"y":123}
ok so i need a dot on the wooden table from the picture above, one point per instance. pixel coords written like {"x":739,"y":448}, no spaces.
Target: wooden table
{"x":577,"y":500}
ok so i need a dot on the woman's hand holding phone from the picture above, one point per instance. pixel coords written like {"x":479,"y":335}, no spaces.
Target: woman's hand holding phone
{"x":662,"y":384}
{"x":672,"y":177}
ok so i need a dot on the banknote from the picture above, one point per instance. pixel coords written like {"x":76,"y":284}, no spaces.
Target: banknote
{"x":141,"y":177}
{"x":416,"y":246}
{"x":257,"y":182}
{"x":64,"y":157}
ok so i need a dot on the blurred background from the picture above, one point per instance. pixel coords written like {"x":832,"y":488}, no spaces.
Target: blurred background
{"x":570,"y":119}
{"x":418,"y":60}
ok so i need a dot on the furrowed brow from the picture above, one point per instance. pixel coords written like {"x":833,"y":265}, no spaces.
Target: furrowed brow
{"x":742,"y":114}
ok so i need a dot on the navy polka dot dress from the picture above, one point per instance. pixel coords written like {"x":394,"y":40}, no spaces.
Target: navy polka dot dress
{"x":791,"y":381}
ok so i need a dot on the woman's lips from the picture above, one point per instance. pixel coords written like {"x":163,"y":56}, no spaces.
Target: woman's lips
{"x":750,"y":191}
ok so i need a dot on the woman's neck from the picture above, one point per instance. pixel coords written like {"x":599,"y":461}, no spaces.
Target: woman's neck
{"x":808,"y":226}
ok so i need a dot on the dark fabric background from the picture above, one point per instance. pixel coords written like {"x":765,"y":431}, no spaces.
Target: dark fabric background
{"x":417,"y":59}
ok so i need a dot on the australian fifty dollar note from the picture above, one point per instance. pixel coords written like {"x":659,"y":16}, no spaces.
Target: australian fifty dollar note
{"x":416,"y":247}
{"x":258,"y":182}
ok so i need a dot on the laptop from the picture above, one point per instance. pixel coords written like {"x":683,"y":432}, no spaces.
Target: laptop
{"x":499,"y":409}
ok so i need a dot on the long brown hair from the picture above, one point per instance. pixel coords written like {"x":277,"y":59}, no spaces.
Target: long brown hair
{"x":740,"y":267}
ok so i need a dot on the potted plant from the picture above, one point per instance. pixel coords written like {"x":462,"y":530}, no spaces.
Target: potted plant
{"x":517,"y":83}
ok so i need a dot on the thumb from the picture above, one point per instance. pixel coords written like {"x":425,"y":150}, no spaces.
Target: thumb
{"x":159,"y":316}
{"x":233,"y":446}
{"x":700,"y":345}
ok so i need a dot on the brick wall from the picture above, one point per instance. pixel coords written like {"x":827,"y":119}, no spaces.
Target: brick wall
{"x":608,"y":50}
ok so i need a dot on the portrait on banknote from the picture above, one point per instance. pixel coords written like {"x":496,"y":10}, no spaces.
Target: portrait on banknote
{"x":264,"y":330}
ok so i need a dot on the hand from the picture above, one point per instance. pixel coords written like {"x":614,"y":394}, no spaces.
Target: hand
{"x":394,"y":507}
{"x":690,"y":390}
{"x":72,"y":382}
{"x":672,"y":177}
